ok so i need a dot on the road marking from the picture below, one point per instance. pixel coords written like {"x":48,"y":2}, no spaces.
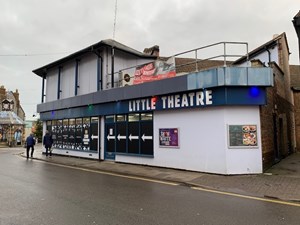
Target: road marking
{"x":248,"y":197}
{"x":112,"y":174}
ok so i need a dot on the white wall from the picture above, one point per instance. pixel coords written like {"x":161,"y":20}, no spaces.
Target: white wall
{"x":264,"y":57}
{"x":51,"y":85}
{"x":87,"y":74}
{"x":203,"y":141}
{"x":242,"y":160}
{"x":87,"y":78}
{"x":67,"y":83}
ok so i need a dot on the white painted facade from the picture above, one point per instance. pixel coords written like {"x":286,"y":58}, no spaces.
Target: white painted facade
{"x":203,"y":132}
{"x":87,"y":74}
{"x":67,"y":82}
{"x":51,"y":85}
{"x":203,"y":141}
{"x":266,"y":57}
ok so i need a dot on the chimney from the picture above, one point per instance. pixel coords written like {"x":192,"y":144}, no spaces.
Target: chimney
{"x":154,"y":50}
{"x":2,"y":93}
{"x":17,"y":97}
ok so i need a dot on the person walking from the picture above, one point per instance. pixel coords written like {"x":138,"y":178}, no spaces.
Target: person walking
{"x":47,"y":142}
{"x":30,"y":142}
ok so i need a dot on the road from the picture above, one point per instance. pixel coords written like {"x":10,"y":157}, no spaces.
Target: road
{"x":33,"y":192}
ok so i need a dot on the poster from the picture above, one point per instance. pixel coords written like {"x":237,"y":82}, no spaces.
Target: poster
{"x":169,"y":137}
{"x":242,"y":136}
{"x":156,"y":70}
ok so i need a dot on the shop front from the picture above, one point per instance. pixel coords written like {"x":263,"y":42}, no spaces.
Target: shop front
{"x":210,"y":125}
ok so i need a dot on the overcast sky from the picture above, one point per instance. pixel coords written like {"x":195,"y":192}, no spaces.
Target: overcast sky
{"x":45,"y":30}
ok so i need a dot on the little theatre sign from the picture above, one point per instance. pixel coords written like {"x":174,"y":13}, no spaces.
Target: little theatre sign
{"x":200,"y":98}
{"x":217,"y":96}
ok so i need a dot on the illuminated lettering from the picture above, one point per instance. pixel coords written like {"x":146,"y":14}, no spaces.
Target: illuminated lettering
{"x":191,"y":95}
{"x":153,"y":103}
{"x":164,"y":99}
{"x":192,"y":99}
{"x":143,"y":104}
{"x":184,"y":101}
{"x":170,"y":101}
{"x":177,"y":101}
{"x":137,"y":105}
{"x":208,"y":97}
{"x":199,"y":98}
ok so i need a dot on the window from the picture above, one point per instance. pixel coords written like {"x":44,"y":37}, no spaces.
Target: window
{"x":130,"y":134}
{"x":72,"y":126}
{"x":65,"y":134}
{"x":79,"y":134}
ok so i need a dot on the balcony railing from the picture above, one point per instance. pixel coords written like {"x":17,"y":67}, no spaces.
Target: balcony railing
{"x":190,"y":61}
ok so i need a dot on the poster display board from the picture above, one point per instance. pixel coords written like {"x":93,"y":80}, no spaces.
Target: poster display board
{"x":156,"y":70}
{"x":244,"y":136}
{"x":169,"y":137}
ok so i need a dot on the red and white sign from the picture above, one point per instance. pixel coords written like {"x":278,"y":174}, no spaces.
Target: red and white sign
{"x":156,"y":70}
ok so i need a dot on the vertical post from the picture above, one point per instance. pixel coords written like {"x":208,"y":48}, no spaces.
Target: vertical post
{"x":196,"y":60}
{"x":76,"y":77}
{"x":10,"y":138}
{"x":58,"y":83}
{"x":99,"y":81}
{"x":43,"y":88}
{"x":112,"y":66}
{"x":224,"y":54}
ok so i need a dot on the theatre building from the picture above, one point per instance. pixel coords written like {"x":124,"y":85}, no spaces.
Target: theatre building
{"x":111,"y":102}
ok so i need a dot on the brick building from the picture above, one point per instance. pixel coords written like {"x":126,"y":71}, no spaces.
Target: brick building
{"x":295,"y":86}
{"x":278,"y":116}
{"x":11,"y":117}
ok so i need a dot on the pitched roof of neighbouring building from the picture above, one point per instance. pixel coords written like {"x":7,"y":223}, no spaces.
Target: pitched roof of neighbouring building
{"x":9,"y":117}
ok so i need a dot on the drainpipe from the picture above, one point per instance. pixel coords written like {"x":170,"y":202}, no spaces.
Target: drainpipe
{"x":99,"y":70}
{"x":269,"y":55}
{"x":58,"y":83}
{"x":112,"y":66}
{"x":76,"y":76}
{"x":43,"y":87}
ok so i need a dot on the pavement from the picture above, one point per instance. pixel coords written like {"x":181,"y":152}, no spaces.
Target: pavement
{"x":281,"y":182}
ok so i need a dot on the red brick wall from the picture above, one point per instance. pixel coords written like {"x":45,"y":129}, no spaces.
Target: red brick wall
{"x":277,"y":117}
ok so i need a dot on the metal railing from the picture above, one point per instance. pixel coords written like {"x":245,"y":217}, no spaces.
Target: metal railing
{"x":192,"y":61}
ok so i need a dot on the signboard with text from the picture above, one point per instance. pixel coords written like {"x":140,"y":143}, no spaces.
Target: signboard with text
{"x":242,"y":136}
{"x":169,"y":137}
{"x":156,"y":70}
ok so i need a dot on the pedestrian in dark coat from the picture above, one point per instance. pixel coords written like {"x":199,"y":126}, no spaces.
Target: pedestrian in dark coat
{"x":47,"y":142}
{"x":30,"y":142}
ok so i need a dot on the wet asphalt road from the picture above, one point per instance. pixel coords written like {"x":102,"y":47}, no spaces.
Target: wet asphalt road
{"x":34,"y":192}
